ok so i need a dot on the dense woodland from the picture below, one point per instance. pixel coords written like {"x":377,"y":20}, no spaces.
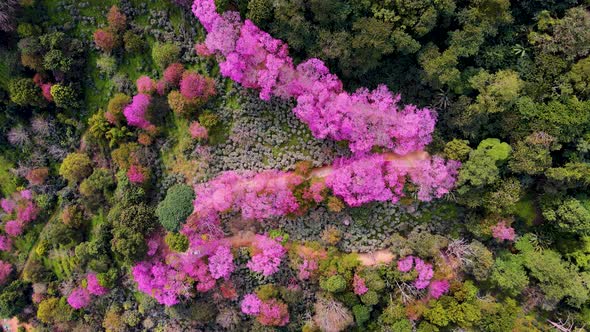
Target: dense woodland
{"x":295,"y":165}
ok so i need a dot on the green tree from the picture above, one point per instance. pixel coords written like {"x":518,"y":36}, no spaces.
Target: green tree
{"x":176,"y":207}
{"x":497,"y":92}
{"x":14,"y":298}
{"x":65,"y":96}
{"x":24,"y":92}
{"x":509,"y":275}
{"x":482,"y":168}
{"x":75,"y":167}
{"x":54,"y":310}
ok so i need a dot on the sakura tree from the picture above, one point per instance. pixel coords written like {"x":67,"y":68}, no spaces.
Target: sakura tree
{"x":365,"y":118}
{"x":136,"y":112}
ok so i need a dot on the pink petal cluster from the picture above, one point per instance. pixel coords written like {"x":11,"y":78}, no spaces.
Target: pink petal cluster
{"x":161,"y":282}
{"x":269,"y":313}
{"x":136,"y":112}
{"x":438,"y":288}
{"x":358,"y":285}
{"x":221,"y":263}
{"x":365,"y":119}
{"x":5,"y":243}
{"x":373,"y":178}
{"x":94,"y":286}
{"x":198,"y":131}
{"x":169,"y":276}
{"x":5,"y":270}
{"x":405,"y":264}
{"x":27,"y":213}
{"x":306,"y":268}
{"x":268,"y":258}
{"x":13,"y":228}
{"x":425,"y":271}
{"x":145,"y":85}
{"x":135,"y":174}
{"x":7,"y":205}
{"x":46,"y":91}
{"x":251,"y":304}
{"x":79,"y":298}
{"x":502,"y":232}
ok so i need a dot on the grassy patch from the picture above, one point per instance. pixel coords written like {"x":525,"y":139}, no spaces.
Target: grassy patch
{"x":8,"y":182}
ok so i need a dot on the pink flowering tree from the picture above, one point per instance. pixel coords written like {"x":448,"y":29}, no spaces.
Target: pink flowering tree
{"x":173,"y":75}
{"x":267,"y":257}
{"x":145,"y":85}
{"x":424,"y":270}
{"x":503,"y":232}
{"x":93,"y":285}
{"x":5,"y":270}
{"x":438,"y":288}
{"x":79,"y":298}
{"x":365,"y":118}
{"x":136,"y":112}
{"x":270,"y":312}
{"x":358,"y":285}
{"x":136,"y":174}
{"x":197,"y":131}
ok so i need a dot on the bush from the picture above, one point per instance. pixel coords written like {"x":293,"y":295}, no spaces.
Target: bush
{"x":76,"y":167}
{"x":165,"y":54}
{"x":24,"y":92}
{"x":334,"y":284}
{"x":116,"y":19}
{"x":176,"y":207}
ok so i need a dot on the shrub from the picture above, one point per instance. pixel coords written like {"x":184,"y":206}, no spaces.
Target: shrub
{"x":334,"y":284}
{"x":75,"y":167}
{"x":165,"y":54}
{"x":56,"y":60}
{"x":176,"y":207}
